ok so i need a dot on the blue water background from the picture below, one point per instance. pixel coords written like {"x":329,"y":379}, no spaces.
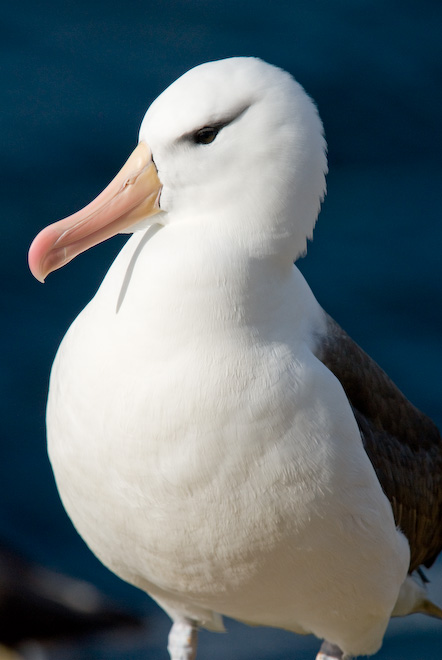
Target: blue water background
{"x":77,"y":78}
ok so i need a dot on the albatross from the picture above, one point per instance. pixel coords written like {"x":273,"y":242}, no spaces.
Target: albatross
{"x":216,"y":438}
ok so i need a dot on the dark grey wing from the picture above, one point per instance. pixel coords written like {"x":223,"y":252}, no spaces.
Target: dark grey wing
{"x":404,"y":445}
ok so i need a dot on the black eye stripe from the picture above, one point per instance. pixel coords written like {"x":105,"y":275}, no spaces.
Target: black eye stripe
{"x":207,"y":134}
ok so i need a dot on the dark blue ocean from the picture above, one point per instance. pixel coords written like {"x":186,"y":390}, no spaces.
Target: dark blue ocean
{"x":77,"y":78}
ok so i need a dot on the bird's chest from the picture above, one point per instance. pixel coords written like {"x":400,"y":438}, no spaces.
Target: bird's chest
{"x":161,"y":452}
{"x":183,"y":439}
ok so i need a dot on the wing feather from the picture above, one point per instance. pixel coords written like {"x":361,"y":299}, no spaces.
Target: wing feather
{"x":403,"y":444}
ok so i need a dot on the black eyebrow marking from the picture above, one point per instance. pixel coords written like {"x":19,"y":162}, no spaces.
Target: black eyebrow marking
{"x":216,"y":124}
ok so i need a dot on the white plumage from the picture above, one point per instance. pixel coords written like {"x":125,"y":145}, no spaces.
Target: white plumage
{"x":200,"y":447}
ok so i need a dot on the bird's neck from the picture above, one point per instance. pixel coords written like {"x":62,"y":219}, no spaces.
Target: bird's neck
{"x":166,"y":280}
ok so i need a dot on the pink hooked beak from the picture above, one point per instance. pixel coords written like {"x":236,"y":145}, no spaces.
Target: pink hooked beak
{"x":131,"y":196}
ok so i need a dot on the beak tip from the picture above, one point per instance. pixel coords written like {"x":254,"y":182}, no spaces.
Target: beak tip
{"x":37,"y":261}
{"x":38,"y":276}
{"x":34,"y":267}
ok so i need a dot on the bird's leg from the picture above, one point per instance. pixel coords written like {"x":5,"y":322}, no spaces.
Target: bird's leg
{"x":330,"y":652}
{"x":183,"y":640}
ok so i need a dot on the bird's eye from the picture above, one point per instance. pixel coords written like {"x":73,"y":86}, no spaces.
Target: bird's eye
{"x":205,"y":135}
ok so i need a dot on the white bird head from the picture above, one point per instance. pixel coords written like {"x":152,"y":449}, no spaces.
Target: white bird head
{"x":234,"y":145}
